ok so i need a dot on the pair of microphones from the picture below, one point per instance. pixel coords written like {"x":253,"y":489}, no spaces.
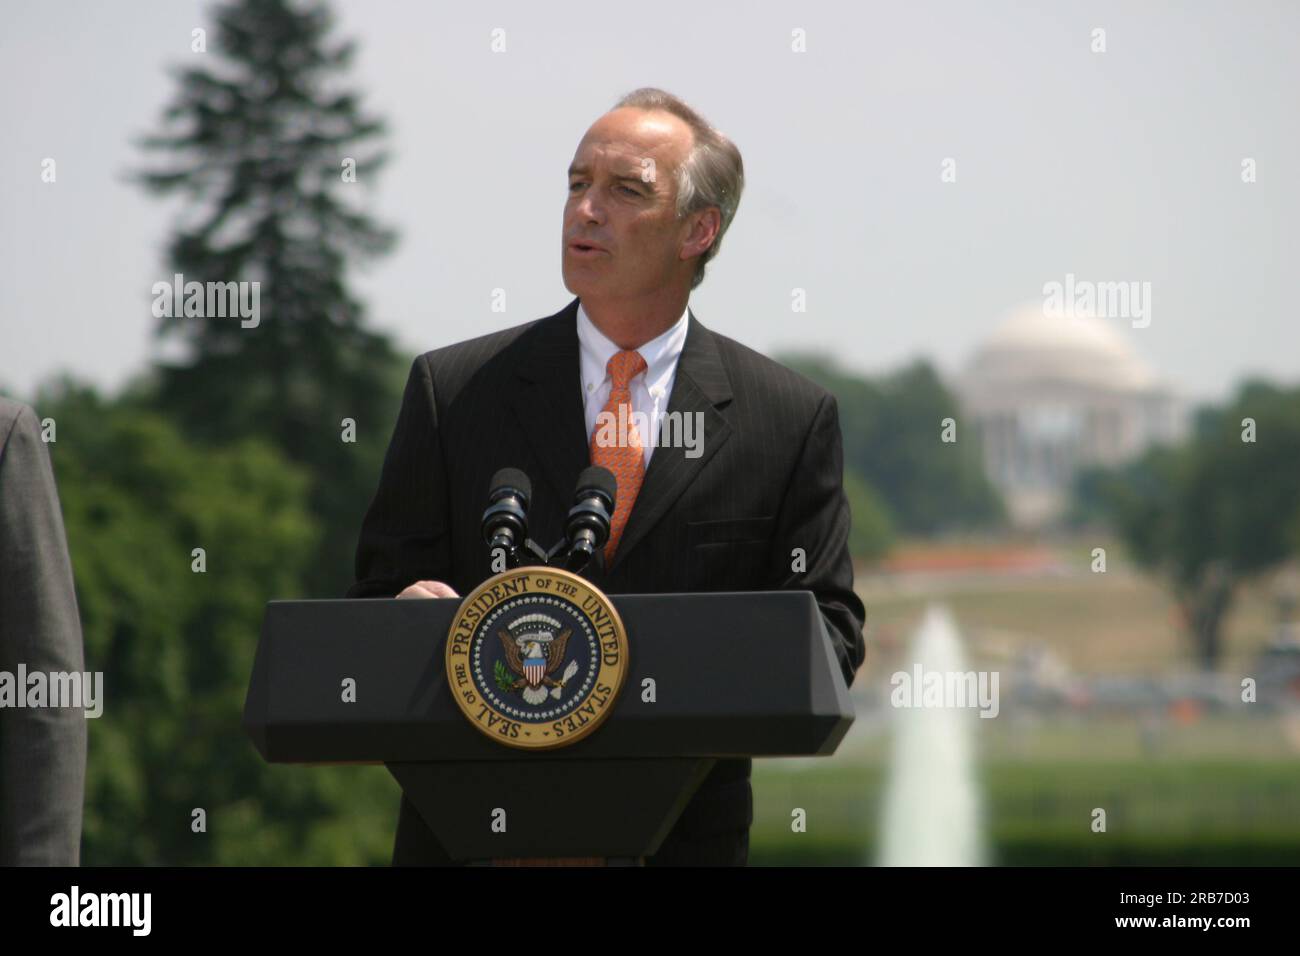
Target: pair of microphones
{"x":586,"y":529}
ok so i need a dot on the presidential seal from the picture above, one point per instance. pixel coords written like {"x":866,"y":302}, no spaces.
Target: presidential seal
{"x":536,"y":657}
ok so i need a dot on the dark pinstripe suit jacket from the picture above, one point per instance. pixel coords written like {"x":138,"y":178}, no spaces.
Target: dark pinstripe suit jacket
{"x":768,"y":480}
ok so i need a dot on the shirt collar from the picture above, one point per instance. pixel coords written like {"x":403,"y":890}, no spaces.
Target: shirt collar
{"x":660,"y":353}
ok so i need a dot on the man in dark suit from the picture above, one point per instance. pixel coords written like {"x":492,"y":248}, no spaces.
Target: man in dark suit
{"x":42,"y":749}
{"x":752,"y":501}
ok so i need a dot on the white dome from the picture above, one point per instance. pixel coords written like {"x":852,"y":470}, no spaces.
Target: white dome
{"x":1086,"y":350}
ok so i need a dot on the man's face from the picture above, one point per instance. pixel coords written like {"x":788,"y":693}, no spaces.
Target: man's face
{"x":622,"y":195}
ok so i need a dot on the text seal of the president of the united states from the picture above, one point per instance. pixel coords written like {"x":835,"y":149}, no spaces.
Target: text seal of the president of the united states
{"x":536,"y":657}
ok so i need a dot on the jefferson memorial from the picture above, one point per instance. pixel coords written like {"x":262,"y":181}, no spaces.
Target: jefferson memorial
{"x":1049,"y":395}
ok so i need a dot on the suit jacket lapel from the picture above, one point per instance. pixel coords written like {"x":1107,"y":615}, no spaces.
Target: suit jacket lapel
{"x":701,"y":387}
{"x":548,"y":402}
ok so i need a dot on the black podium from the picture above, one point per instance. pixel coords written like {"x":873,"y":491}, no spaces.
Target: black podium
{"x":710,"y":675}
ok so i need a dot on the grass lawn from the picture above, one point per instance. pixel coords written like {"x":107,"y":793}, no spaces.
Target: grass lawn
{"x":1160,"y":812}
{"x":1116,"y":622}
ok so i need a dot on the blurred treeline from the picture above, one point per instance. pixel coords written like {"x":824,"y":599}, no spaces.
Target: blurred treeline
{"x":1210,"y":513}
{"x":901,"y":479}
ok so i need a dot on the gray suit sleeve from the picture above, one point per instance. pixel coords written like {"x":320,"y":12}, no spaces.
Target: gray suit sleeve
{"x":42,"y":750}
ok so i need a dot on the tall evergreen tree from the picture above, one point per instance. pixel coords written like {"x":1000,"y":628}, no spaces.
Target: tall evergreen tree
{"x":269,"y":153}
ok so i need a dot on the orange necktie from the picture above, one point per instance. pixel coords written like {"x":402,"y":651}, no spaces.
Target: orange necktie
{"x":626,"y":461}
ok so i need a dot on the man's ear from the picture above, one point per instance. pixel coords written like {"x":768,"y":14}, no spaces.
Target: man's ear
{"x":705,"y":226}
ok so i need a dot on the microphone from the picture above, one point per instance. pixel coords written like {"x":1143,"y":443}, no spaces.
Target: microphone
{"x":505,"y":522}
{"x":587,"y":527}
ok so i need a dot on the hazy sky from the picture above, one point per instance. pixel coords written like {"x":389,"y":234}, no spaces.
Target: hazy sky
{"x":1115,"y":166}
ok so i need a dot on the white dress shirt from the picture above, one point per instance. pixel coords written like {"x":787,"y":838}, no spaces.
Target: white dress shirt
{"x":650,"y":389}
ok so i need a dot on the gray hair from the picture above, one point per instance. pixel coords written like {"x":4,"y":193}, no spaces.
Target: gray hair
{"x":713,"y":174}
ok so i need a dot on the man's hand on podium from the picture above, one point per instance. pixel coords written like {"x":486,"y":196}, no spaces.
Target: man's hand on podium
{"x":420,"y":589}
{"x":428,"y":589}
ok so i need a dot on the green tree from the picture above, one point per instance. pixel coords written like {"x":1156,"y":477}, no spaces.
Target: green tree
{"x":871,"y":533}
{"x":1219,"y":509}
{"x":891,"y":427}
{"x":263,"y":145}
{"x":176,"y":644}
